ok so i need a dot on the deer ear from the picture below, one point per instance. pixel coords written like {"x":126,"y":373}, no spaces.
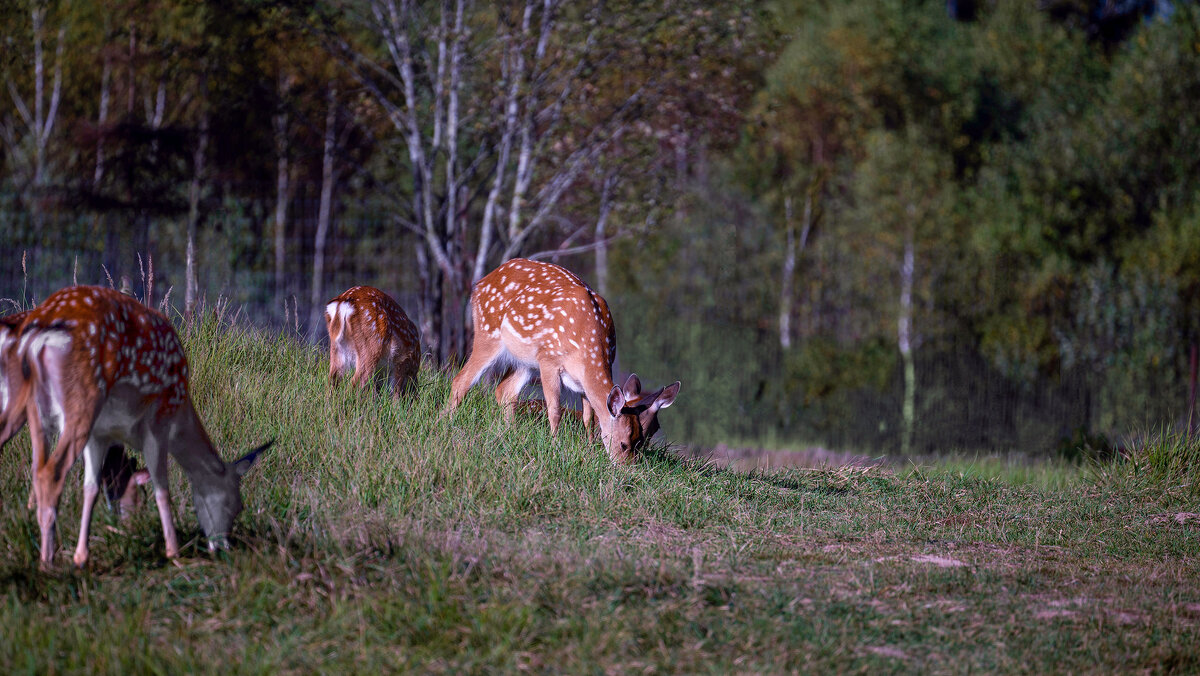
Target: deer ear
{"x":632,"y":387}
{"x":243,"y":464}
{"x":667,"y":396}
{"x":616,"y":401}
{"x":140,"y":477}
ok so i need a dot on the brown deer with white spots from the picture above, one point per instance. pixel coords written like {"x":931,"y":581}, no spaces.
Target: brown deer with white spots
{"x":10,"y":375}
{"x":118,"y":474}
{"x":533,"y":316}
{"x":368,"y":329}
{"x":101,"y":369}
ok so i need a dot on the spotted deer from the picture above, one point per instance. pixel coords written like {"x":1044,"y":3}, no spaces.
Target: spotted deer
{"x":538,"y":317}
{"x":102,"y":369}
{"x":118,"y":476}
{"x":366,"y":329}
{"x":10,"y":375}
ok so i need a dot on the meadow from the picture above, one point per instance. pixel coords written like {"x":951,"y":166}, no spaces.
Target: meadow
{"x":379,"y":538}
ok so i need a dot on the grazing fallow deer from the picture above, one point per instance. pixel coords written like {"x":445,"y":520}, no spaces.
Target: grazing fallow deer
{"x":102,"y":369}
{"x":531,"y":316}
{"x":118,"y":476}
{"x":366,"y":329}
{"x":11,"y":422}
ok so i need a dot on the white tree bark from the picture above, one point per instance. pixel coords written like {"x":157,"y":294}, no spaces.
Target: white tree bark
{"x":40,"y":120}
{"x":515,"y":160}
{"x":279,"y":123}
{"x":792,"y":253}
{"x":515,"y":61}
{"x":324,"y":215}
{"x":601,"y":236}
{"x":199,"y":155}
{"x":789,"y":272}
{"x":102,"y":119}
{"x":905,"y":340}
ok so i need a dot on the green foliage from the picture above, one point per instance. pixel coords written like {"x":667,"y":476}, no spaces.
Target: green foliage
{"x":1047,"y":180}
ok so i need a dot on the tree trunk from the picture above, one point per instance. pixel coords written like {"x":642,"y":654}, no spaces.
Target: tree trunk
{"x":282,"y":190}
{"x":102,"y":120}
{"x":454,"y":318}
{"x":905,"y":340}
{"x":197,"y":185}
{"x":601,"y":255}
{"x":324,"y":212}
{"x":41,"y":120}
{"x":606,"y":205}
{"x":791,"y":255}
{"x":1193,"y":367}
{"x":789,"y":271}
{"x":429,"y":303}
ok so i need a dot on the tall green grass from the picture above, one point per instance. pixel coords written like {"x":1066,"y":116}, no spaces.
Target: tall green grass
{"x":1163,"y":465}
{"x":380,"y":537}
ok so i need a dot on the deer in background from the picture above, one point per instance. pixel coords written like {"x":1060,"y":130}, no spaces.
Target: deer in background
{"x":10,"y":375}
{"x":366,"y":329}
{"x":101,"y":369}
{"x":529,"y":316}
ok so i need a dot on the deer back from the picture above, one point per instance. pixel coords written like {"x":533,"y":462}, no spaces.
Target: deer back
{"x":110,"y":339}
{"x":364,"y":316}
{"x":543,"y":311}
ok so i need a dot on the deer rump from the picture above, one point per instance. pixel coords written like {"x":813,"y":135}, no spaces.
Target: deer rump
{"x":119,"y":476}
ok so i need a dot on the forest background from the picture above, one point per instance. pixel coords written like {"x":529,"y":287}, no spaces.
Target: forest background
{"x":893,"y":226}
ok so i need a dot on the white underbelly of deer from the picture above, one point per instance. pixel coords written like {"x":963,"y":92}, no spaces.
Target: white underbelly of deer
{"x":516,"y":350}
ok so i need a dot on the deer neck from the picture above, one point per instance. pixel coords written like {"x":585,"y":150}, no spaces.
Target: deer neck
{"x":596,"y":391}
{"x":193,"y":450}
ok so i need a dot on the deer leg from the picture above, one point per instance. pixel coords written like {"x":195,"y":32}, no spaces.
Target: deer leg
{"x":131,"y":496}
{"x":367,"y":363}
{"x":156,"y":464}
{"x":551,"y":387}
{"x":586,"y":416}
{"x":403,"y":374}
{"x":483,"y":352}
{"x":38,"y":432}
{"x":93,"y":457}
{"x":362,"y":373}
{"x":48,"y":485}
{"x":37,"y":496}
{"x":335,"y":366}
{"x":509,"y":390}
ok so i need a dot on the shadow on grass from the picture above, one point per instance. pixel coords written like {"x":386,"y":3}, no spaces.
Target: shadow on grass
{"x":812,"y":482}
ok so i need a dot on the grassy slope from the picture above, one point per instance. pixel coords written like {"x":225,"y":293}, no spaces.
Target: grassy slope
{"x":377,"y":537}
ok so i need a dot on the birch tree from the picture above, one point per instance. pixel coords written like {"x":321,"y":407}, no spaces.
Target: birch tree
{"x":283,"y":183}
{"x":324,"y":211}
{"x":503,"y":110}
{"x":195,"y":189}
{"x":904,"y":201}
{"x":27,"y":140}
